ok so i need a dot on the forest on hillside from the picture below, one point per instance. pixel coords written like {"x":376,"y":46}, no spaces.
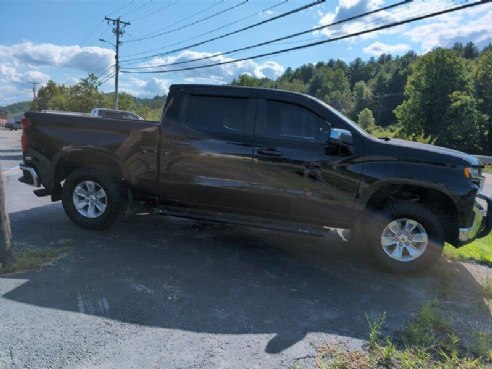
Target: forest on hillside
{"x":443,"y":97}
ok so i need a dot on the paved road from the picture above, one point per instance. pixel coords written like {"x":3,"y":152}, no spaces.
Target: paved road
{"x":157,"y":292}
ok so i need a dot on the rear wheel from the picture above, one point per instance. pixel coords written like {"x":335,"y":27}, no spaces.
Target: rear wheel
{"x":92,"y":199}
{"x":407,"y":238}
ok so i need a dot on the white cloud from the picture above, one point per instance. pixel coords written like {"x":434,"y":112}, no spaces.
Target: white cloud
{"x":71,"y":81}
{"x":145,"y":88}
{"x":474,"y":24}
{"x":217,"y":74}
{"x":471,"y":25}
{"x":87,"y":59}
{"x":378,"y":48}
{"x":15,"y":85}
{"x":145,"y":85}
{"x":10,"y":75}
{"x":348,"y":9}
{"x":35,"y":76}
{"x":157,"y":86}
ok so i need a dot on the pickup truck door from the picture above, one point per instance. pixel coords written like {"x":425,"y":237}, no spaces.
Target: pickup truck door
{"x":206,"y":151}
{"x":297,"y":174}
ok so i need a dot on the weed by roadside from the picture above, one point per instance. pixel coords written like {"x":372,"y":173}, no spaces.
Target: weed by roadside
{"x":483,"y":345}
{"x":33,"y":259}
{"x":487,"y":287}
{"x":426,"y":342}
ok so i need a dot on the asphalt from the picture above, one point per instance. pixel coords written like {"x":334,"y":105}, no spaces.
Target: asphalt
{"x":160,"y":292}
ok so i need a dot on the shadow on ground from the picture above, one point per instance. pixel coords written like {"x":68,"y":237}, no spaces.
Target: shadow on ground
{"x":205,"y":277}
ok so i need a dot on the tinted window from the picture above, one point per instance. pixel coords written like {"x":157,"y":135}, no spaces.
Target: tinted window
{"x":217,"y":114}
{"x":293,"y":122}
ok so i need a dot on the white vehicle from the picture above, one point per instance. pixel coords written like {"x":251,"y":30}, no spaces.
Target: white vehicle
{"x":64,"y":112}
{"x":114,"y":114}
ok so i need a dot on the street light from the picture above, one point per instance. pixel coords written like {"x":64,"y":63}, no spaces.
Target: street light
{"x":103,"y":40}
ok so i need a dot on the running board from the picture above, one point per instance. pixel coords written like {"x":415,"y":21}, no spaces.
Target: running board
{"x":246,"y":220}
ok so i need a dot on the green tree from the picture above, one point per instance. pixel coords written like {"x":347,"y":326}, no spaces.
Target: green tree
{"x":85,"y":96}
{"x":466,"y":125}
{"x":295,"y":85}
{"x":362,"y":97}
{"x":251,"y":81}
{"x":483,"y":87}
{"x":366,"y":120}
{"x":470,"y":51}
{"x":358,"y":72}
{"x":333,"y":87}
{"x":435,"y":76}
{"x":50,"y":97}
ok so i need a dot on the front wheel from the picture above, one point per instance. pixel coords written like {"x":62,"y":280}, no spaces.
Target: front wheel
{"x":91,"y":199}
{"x":407,"y":237}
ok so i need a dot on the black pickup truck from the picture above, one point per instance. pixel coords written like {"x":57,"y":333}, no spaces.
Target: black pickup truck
{"x":265,"y":158}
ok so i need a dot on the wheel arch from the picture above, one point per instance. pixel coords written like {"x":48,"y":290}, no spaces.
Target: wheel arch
{"x":68,"y":161}
{"x":436,"y":199}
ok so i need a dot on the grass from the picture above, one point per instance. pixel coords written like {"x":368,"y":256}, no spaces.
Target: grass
{"x":34,"y":259}
{"x":479,"y":250}
{"x":488,"y":169}
{"x":426,"y":342}
{"x":487,"y":287}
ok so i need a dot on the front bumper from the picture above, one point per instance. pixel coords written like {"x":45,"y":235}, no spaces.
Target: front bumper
{"x":482,"y":223}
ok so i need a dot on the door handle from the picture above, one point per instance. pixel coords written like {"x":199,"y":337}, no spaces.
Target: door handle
{"x":145,"y":151}
{"x":269,"y":152}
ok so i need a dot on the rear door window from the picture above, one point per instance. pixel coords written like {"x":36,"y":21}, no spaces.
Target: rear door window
{"x":217,"y":114}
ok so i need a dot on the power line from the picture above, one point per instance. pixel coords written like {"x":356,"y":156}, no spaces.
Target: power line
{"x":282,"y":38}
{"x":106,"y":72}
{"x":380,"y":28}
{"x":93,"y":30}
{"x":185,"y":19}
{"x":136,"y":9}
{"x":283,"y":15}
{"x":192,"y":23}
{"x":123,"y":7}
{"x":103,"y":81}
{"x":214,"y":30}
{"x":156,"y":11}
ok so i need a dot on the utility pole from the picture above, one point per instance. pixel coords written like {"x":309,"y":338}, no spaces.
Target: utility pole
{"x":34,"y":88}
{"x":118,"y":31}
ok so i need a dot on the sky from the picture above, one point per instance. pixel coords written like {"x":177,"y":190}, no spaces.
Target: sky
{"x":42,"y":40}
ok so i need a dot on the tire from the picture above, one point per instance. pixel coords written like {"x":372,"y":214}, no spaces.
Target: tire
{"x":406,"y":237}
{"x":99,"y":198}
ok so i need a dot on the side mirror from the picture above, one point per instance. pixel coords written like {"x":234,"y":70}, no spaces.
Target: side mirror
{"x":340,"y":137}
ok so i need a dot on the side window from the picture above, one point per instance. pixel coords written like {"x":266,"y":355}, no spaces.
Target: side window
{"x":293,"y":122}
{"x":217,"y":114}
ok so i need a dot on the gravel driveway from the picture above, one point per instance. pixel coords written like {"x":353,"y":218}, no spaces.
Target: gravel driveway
{"x":157,"y":292}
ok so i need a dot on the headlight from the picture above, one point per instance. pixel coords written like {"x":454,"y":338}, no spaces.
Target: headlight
{"x":472,"y":172}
